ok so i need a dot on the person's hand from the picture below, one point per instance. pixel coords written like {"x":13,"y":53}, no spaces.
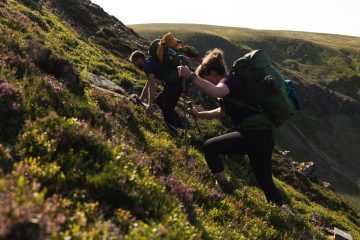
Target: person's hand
{"x":143,"y":98}
{"x":184,"y":72}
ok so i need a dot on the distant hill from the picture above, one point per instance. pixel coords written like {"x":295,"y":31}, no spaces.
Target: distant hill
{"x":326,"y":71}
{"x":80,"y":160}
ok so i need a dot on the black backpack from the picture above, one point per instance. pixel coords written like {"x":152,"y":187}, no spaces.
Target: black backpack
{"x":174,"y":58}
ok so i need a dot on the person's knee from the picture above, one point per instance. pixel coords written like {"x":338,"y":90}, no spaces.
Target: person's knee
{"x":208,"y":146}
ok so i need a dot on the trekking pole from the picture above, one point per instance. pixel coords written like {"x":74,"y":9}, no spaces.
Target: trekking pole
{"x":195,"y":120}
{"x":182,"y":61}
{"x":138,"y":101}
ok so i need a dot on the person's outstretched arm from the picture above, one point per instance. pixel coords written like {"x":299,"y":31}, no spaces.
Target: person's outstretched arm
{"x":214,"y":91}
{"x":151,"y":91}
{"x":215,"y":113}
{"x":144,"y":91}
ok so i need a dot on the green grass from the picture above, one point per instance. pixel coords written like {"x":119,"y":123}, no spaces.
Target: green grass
{"x":87,"y":165}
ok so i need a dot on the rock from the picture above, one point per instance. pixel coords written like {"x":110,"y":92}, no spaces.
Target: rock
{"x":284,"y":153}
{"x":105,"y":83}
{"x":327,"y":185}
{"x":293,"y":164}
{"x":315,"y":179}
{"x":306,"y":168}
{"x":341,"y":235}
{"x":327,"y":230}
{"x":114,"y":94}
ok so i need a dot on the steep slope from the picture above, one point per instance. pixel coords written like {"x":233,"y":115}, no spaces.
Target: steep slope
{"x":325,"y":69}
{"x":91,"y":21}
{"x":79,"y":161}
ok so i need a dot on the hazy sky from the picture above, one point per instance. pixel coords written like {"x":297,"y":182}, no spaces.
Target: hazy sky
{"x":326,"y":16}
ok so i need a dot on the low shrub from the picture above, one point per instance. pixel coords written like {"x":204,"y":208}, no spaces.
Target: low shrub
{"x":183,"y":193}
{"x":174,"y":226}
{"x":59,"y":67}
{"x":77,"y":12}
{"x":162,"y":152}
{"x":11,"y":112}
{"x":35,"y":18}
{"x":105,"y":33}
{"x":33,"y":4}
{"x":6,"y":160}
{"x":52,"y":95}
{"x":126,"y":183}
{"x":25,"y":213}
{"x":67,"y":146}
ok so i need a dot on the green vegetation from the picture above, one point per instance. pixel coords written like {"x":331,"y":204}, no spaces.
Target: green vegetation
{"x":78,"y":163}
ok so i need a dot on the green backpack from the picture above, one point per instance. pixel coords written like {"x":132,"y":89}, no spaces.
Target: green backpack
{"x":265,"y":84}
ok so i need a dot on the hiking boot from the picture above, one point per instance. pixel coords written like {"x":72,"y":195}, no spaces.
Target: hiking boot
{"x":225,"y":187}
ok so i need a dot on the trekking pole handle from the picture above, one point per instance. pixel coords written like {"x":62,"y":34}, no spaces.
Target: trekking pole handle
{"x":182,"y":62}
{"x":195,"y":118}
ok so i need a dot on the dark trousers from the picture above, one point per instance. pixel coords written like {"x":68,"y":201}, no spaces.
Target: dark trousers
{"x":258,"y":145}
{"x":167,"y":101}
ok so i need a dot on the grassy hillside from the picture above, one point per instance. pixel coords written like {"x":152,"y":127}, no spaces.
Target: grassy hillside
{"x":81,"y":162}
{"x":325,"y":69}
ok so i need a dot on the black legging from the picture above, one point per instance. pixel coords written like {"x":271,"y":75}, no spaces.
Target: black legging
{"x":167,"y":101}
{"x":258,"y":145}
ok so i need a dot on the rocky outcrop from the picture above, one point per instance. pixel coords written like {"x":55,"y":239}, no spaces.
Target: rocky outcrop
{"x":93,"y":22}
{"x":106,"y":85}
{"x":321,"y":101}
{"x":306,"y":169}
{"x":341,"y":235}
{"x":347,"y":86}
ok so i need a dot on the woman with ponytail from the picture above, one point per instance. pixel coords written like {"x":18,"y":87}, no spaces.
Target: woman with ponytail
{"x":254,"y":140}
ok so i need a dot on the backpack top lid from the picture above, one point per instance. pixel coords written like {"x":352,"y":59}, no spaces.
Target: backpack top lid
{"x":253,"y":60}
{"x":259,"y":59}
{"x":154,"y":49}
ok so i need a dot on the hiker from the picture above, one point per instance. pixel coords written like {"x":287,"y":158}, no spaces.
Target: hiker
{"x":253,"y":139}
{"x":156,"y":68}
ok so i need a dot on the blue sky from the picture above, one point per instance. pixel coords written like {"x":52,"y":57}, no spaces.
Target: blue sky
{"x":325,"y":16}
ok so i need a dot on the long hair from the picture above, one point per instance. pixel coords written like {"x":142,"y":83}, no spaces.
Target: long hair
{"x":213,"y":61}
